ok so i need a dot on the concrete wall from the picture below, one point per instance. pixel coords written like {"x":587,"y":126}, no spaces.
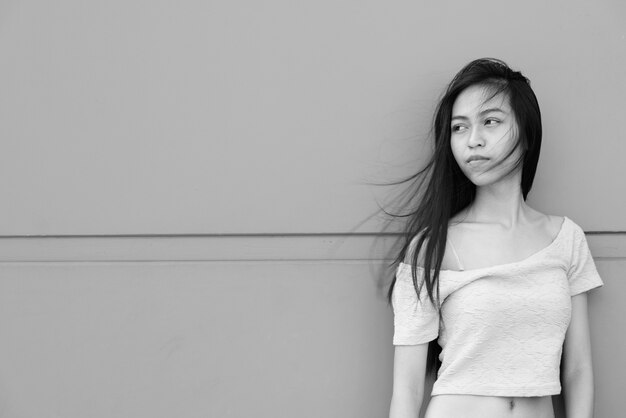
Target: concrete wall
{"x":199,"y":333}
{"x":153,"y":116}
{"x":184,"y":183}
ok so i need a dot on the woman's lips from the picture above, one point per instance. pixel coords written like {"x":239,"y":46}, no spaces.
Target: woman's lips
{"x":476,"y":157}
{"x":478,"y":161}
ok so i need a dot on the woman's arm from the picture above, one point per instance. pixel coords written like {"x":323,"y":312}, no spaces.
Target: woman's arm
{"x":409,"y":371}
{"x":577,"y":370}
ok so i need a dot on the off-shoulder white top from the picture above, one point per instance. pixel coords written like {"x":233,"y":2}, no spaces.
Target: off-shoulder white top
{"x":502,"y":327}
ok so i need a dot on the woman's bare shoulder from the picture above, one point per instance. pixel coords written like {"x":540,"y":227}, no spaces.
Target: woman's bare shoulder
{"x":408,"y":257}
{"x":550,"y":223}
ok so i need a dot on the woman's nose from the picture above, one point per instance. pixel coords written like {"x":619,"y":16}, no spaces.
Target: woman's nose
{"x":475,"y":138}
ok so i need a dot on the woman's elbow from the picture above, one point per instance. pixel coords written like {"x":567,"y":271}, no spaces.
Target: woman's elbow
{"x":579,"y":375}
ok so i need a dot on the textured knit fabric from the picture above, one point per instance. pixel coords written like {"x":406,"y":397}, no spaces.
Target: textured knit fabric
{"x":503,"y":326}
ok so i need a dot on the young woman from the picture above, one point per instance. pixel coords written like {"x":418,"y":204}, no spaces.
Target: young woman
{"x":488,"y":291}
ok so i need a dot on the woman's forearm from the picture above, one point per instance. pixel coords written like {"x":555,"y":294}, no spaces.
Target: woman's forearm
{"x":578,"y":393}
{"x":405,"y":404}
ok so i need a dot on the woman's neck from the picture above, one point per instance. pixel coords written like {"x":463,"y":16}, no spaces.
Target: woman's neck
{"x":501,"y":203}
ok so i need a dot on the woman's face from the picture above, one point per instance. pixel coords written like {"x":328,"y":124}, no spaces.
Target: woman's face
{"x":483,"y":128}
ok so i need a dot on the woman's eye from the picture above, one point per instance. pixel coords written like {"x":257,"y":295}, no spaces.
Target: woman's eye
{"x":491,"y":122}
{"x":458,"y":128}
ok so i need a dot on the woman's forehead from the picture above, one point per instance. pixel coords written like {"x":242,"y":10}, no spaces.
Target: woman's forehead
{"x":475,"y":99}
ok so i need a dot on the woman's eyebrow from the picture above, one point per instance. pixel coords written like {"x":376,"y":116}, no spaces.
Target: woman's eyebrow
{"x":481,"y":113}
{"x":492,"y":109}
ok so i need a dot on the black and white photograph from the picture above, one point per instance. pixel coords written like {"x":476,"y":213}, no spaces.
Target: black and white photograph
{"x":312,"y":209}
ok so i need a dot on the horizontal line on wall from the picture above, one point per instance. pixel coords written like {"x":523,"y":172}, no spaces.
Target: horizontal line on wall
{"x":231,"y":248}
{"x":374,"y":263}
{"x":245,"y":235}
{"x":199,"y":235}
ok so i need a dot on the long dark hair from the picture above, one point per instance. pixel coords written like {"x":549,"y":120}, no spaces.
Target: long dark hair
{"x":440,"y":190}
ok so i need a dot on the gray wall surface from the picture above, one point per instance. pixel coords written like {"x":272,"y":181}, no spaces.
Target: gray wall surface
{"x":196,"y":336}
{"x":142,"y":116}
{"x":187,"y":185}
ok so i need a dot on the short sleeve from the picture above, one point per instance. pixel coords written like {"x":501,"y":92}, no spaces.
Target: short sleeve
{"x":582,"y":273}
{"x":415,"y":321}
